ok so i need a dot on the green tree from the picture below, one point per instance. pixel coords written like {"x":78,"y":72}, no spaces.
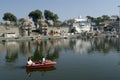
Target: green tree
{"x":35,"y":15}
{"x":118,"y":18}
{"x":9,"y":17}
{"x":98,"y":20}
{"x":21,"y":21}
{"x":105,"y":18}
{"x":92,"y":19}
{"x":55,"y":20}
{"x":55,"y":17}
{"x":50,"y":16}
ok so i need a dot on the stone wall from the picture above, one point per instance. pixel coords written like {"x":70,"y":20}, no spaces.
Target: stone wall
{"x":4,"y":30}
{"x":60,"y":29}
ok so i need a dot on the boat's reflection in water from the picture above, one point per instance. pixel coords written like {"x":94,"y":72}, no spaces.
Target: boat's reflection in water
{"x":42,"y":70}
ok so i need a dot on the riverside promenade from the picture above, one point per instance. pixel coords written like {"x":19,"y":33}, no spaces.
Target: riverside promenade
{"x":35,"y":37}
{"x":62,"y":30}
{"x":42,"y":37}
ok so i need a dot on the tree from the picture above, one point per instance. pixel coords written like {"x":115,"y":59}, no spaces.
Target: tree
{"x":105,"y":18}
{"x":21,"y":21}
{"x":90,"y":18}
{"x":98,"y":20}
{"x":118,"y":18}
{"x":50,"y":16}
{"x":35,"y":15}
{"x":9,"y":17}
{"x":55,"y":20}
{"x":55,"y":17}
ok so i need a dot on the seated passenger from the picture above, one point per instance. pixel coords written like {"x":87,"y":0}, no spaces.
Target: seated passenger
{"x":30,"y":62}
{"x":43,"y":59}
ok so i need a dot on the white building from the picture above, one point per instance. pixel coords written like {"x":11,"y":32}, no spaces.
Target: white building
{"x":10,"y":35}
{"x":81,"y":25}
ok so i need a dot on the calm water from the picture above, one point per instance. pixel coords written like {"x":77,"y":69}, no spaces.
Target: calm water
{"x":87,"y":59}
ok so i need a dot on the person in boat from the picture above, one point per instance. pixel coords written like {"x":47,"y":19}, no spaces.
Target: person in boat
{"x":30,"y":62}
{"x":43,"y":60}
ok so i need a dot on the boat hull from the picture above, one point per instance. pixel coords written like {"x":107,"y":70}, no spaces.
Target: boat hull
{"x":39,"y":65}
{"x":41,"y":69}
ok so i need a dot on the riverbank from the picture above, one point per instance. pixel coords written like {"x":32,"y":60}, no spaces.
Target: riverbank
{"x":3,"y":39}
{"x":42,"y":37}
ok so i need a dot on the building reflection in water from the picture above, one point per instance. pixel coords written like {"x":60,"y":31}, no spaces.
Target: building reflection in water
{"x":11,"y":51}
{"x":51,"y":48}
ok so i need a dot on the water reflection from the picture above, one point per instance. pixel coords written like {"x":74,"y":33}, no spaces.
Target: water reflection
{"x":81,"y":52}
{"x":11,"y":51}
{"x":103,"y":45}
{"x":51,"y":48}
{"x":43,"y":70}
{"x":107,"y":44}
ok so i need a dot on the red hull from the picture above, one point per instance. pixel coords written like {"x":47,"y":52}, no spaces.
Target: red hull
{"x":40,"y":69}
{"x":38,"y":65}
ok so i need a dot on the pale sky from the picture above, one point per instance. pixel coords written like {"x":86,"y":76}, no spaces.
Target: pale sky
{"x":65,"y":9}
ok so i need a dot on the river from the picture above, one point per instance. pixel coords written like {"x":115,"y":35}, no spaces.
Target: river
{"x":80,"y":59}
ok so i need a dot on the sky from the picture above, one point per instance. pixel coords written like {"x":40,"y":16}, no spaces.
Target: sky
{"x":65,"y":9}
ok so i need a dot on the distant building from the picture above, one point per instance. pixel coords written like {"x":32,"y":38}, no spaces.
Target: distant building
{"x":10,"y":35}
{"x":26,"y":27}
{"x":10,"y":32}
{"x":114,"y":18}
{"x":81,"y":25}
{"x":79,"y":19}
{"x":43,"y":27}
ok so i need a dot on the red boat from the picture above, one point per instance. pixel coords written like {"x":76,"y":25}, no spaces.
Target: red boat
{"x":39,"y":65}
{"x":40,"y":70}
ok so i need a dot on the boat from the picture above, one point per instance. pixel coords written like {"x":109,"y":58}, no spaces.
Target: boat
{"x":38,"y":65}
{"x":41,"y":69}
